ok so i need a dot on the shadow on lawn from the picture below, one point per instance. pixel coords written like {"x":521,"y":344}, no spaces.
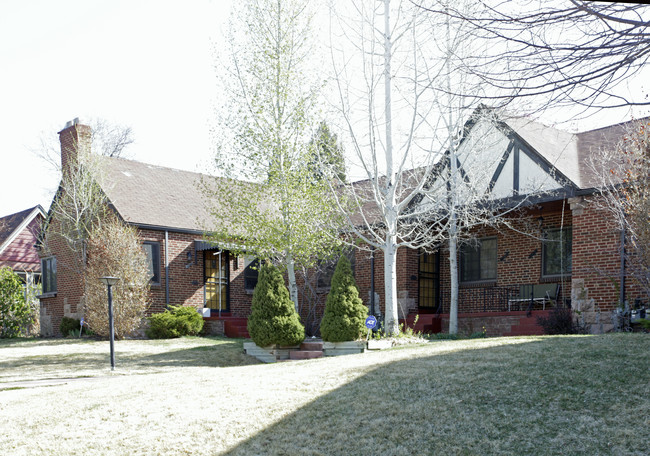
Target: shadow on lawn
{"x":550,"y":396}
{"x":224,"y":354}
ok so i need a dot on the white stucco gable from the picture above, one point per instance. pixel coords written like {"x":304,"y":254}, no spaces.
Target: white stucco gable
{"x":495,"y":159}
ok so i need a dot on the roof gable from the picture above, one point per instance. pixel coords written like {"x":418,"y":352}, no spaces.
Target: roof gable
{"x":18,"y":235}
{"x":11,"y":225}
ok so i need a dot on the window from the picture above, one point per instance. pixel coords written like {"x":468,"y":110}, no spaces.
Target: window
{"x":251,"y":273}
{"x":479,"y":261}
{"x":428,"y":279}
{"x":328,"y":268}
{"x":48,"y":274}
{"x":152,"y":250}
{"x":556,"y":252}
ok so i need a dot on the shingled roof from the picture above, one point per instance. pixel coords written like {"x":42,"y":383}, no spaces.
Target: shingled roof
{"x":155,"y":196}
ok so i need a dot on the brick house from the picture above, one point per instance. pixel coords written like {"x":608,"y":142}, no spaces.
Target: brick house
{"x":18,"y":237}
{"x":167,"y":208}
{"x":573,"y":254}
{"x":576,"y":254}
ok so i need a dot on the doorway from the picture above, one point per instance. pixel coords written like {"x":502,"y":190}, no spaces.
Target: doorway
{"x":216,"y":275}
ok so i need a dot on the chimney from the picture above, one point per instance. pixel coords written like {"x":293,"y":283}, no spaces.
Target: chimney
{"x":75,"y":138}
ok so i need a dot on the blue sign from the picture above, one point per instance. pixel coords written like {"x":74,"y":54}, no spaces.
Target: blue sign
{"x":371,"y":322}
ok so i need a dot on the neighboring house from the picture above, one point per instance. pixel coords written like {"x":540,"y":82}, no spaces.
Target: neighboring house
{"x":18,"y":237}
{"x":575,"y":256}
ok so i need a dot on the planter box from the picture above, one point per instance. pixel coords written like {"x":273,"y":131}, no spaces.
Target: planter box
{"x":269,"y":354}
{"x":344,"y":348}
{"x":379,"y":344}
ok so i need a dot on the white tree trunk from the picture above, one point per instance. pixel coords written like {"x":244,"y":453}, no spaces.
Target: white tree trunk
{"x":390,"y":286}
{"x":293,"y":286}
{"x":453,"y":276}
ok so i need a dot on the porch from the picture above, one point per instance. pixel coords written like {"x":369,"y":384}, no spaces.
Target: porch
{"x":495,"y":310}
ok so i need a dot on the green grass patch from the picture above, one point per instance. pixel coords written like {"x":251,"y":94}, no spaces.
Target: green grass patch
{"x":560,"y":395}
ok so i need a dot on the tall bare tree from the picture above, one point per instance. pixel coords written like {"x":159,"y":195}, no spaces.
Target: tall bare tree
{"x":556,"y":53}
{"x":407,"y":110}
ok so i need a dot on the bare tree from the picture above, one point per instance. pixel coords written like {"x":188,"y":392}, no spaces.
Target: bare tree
{"x":426,"y":146}
{"x":106,"y":138}
{"x":114,"y":249}
{"x":93,"y":237}
{"x":548,"y":54}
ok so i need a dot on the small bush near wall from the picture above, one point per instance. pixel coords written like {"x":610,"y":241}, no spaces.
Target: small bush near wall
{"x":177,"y":322}
{"x":69,"y":325}
{"x":559,"y":321}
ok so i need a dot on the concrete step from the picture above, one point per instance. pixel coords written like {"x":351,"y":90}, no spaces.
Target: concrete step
{"x":312,"y":345}
{"x":306,"y":354}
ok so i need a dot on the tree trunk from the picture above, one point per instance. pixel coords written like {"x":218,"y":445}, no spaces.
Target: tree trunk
{"x":293,"y":286}
{"x":453,"y":278}
{"x":390,"y":285}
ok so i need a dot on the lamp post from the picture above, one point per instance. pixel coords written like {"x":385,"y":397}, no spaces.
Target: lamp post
{"x":109,"y":282}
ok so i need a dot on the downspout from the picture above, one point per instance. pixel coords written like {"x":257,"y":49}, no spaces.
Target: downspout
{"x":166,"y":268}
{"x":621,"y":291}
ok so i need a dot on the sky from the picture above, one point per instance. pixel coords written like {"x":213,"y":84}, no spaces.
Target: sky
{"x":149,"y":65}
{"x":145,"y":64}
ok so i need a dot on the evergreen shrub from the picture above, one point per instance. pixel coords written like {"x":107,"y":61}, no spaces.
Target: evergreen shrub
{"x":15,"y":313}
{"x":273,"y":318}
{"x":69,"y":325}
{"x":345,"y":313}
{"x":177,"y":322}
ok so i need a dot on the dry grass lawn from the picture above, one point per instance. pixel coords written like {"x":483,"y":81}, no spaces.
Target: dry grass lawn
{"x":502,"y":396}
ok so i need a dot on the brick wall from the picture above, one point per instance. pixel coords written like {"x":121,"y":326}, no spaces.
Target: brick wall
{"x":68,"y":299}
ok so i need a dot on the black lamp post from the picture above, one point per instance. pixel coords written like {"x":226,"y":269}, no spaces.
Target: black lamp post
{"x":109,"y":282}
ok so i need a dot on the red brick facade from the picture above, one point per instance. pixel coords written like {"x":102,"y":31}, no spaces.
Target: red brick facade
{"x":592,"y":287}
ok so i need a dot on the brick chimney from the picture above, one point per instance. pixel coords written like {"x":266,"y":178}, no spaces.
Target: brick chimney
{"x":75,"y":138}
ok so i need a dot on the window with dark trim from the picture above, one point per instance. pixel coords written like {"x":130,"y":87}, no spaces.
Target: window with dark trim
{"x":478,"y":262}
{"x":48,"y":274}
{"x":251,"y":274}
{"x":328,"y":268}
{"x":152,"y":250}
{"x":556,"y":252}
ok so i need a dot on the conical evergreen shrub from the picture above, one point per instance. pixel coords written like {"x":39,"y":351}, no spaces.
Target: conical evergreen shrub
{"x":273,"y":319}
{"x":345,"y":313}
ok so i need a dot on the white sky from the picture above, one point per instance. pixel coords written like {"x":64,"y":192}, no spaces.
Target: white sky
{"x":145,"y":64}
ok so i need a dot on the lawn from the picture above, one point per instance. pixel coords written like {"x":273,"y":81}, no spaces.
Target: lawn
{"x":502,"y":396}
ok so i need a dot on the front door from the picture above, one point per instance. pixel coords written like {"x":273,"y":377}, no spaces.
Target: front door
{"x":217,"y":275}
{"x":428,"y":280}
